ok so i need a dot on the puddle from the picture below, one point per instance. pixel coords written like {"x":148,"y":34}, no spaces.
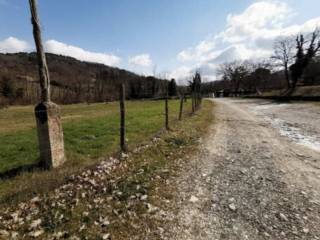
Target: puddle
{"x":294,"y":134}
{"x":267,"y":106}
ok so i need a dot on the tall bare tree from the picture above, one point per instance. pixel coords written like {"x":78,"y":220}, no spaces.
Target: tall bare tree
{"x":235,"y":72}
{"x":284,"y":55}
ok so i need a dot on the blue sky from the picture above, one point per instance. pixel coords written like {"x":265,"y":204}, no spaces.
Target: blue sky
{"x":176,"y":36}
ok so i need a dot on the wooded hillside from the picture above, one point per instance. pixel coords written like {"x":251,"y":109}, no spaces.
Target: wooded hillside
{"x":72,"y":81}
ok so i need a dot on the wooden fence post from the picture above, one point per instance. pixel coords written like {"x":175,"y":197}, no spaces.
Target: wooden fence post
{"x":200,"y":100}
{"x":43,"y":67}
{"x":193,"y":102}
{"x":47,"y":113}
{"x":197,"y":101}
{"x":166,"y":109}
{"x":123,"y":146}
{"x":181,"y":106}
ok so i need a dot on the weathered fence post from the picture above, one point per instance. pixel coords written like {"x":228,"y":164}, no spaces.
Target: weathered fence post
{"x":167,"y":109}
{"x":181,"y":107}
{"x":47,"y":113}
{"x":200,"y":100}
{"x":122,"y":118}
{"x":193,"y":102}
{"x":197,"y":101}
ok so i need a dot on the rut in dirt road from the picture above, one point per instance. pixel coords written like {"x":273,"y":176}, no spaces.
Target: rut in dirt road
{"x":247,"y":183}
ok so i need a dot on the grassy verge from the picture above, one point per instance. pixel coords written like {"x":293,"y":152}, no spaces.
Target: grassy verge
{"x":153,"y":171}
{"x":90,"y":132}
{"x":123,"y":201}
{"x":316,"y":103}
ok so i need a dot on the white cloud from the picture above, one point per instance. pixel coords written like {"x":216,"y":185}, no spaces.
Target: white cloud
{"x":13,"y":45}
{"x":257,"y":19}
{"x":53,"y":46}
{"x":143,"y":60}
{"x":247,"y":35}
{"x":196,"y":53}
{"x":181,"y":73}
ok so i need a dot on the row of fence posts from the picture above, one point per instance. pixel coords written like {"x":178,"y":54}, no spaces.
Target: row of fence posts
{"x":196,"y":102}
{"x":48,"y":118}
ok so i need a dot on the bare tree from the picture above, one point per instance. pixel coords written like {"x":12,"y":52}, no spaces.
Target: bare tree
{"x":154,"y":70}
{"x":284,"y":55}
{"x":259,"y":73}
{"x":234,"y":72}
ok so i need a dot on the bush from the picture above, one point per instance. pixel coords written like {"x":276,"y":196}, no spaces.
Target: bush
{"x":6,"y":88}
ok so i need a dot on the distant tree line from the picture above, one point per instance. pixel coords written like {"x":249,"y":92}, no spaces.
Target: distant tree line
{"x":295,"y":62}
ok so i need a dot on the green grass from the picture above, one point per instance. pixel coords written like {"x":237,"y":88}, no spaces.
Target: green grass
{"x":152,"y":168}
{"x":90,"y":131}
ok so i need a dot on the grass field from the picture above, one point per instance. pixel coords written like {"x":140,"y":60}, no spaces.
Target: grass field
{"x":69,"y":204}
{"x":90,"y":131}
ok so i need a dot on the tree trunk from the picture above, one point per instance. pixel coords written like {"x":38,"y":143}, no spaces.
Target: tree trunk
{"x":181,"y":107}
{"x":193,"y":102}
{"x":286,"y":71}
{"x":197,"y":102}
{"x":43,"y":67}
{"x":294,"y":83}
{"x":122,"y":118}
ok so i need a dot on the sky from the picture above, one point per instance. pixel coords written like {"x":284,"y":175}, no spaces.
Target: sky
{"x":169,"y":38}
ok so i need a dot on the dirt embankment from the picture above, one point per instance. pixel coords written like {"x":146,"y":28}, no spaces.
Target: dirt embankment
{"x":308,"y":93}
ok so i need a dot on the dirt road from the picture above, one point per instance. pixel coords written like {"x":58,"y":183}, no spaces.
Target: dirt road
{"x":257,"y":177}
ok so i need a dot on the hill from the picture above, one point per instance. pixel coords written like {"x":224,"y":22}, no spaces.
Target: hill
{"x":73,"y":81}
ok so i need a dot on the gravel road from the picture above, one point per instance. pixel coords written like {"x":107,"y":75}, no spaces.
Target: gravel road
{"x":257,"y":176}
